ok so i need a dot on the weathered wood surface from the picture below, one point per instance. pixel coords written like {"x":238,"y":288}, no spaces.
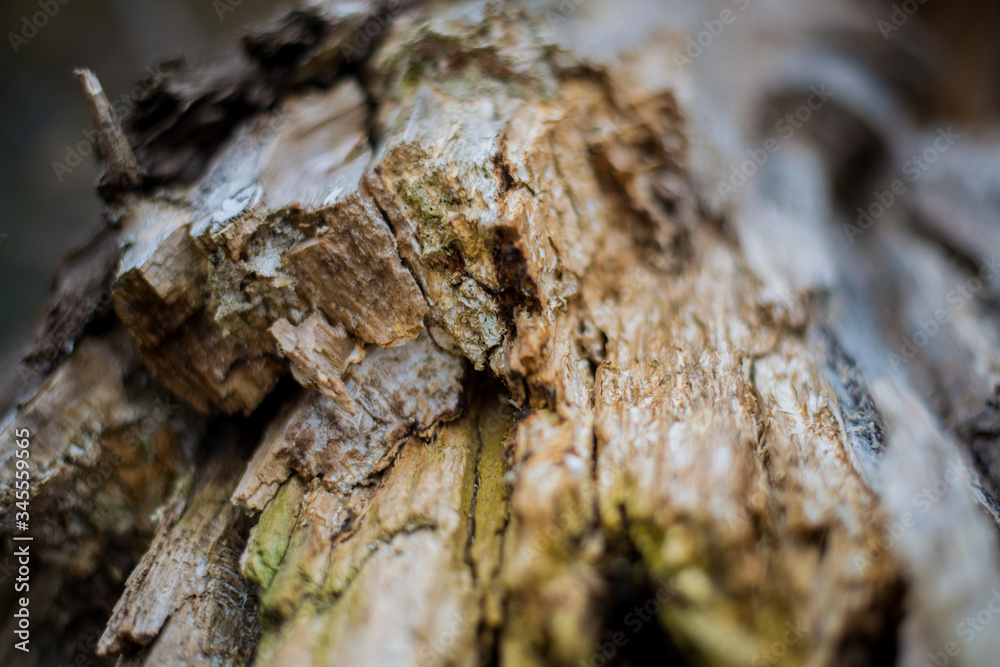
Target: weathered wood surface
{"x":564,"y":375}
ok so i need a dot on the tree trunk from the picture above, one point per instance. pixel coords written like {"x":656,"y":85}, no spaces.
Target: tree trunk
{"x":474,"y":334}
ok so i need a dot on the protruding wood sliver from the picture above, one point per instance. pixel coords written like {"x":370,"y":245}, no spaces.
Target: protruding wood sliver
{"x":122,"y":173}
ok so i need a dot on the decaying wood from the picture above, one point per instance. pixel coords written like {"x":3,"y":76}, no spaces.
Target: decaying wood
{"x":556,"y":366}
{"x":122,"y":172}
{"x":110,"y":448}
{"x":186,"y":602}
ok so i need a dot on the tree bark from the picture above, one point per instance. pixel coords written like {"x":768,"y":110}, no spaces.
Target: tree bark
{"x":474,"y":334}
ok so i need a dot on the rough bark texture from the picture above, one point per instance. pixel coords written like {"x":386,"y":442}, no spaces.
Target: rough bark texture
{"x":445,"y":334}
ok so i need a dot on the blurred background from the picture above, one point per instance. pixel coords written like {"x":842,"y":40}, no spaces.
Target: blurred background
{"x":48,"y":205}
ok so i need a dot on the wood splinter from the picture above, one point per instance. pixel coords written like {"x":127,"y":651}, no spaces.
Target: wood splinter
{"x":122,"y":172}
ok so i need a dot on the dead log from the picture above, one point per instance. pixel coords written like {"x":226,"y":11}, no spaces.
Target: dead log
{"x":528,"y":335}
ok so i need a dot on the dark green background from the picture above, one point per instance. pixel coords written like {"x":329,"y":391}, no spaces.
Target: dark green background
{"x":41,"y":113}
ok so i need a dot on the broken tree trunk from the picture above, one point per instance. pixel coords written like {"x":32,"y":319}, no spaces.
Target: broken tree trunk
{"x":474,"y":333}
